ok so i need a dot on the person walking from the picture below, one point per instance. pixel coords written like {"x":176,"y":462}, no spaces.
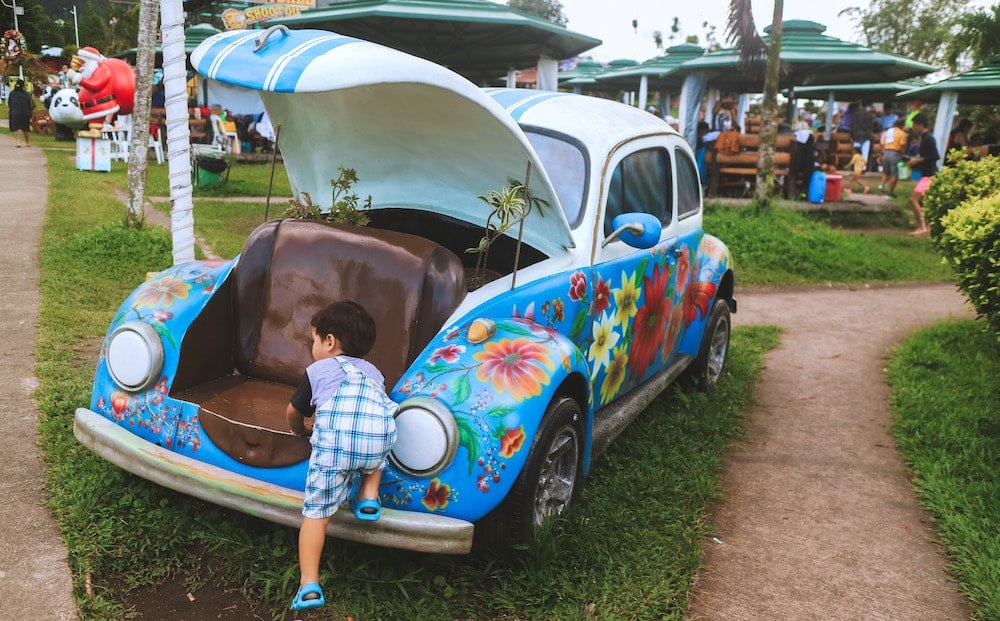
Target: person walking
{"x":927,"y":164}
{"x":893,"y":144}
{"x":21,"y":103}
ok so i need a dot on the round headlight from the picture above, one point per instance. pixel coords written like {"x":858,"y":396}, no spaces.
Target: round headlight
{"x":426,"y":437}
{"x":135,"y":356}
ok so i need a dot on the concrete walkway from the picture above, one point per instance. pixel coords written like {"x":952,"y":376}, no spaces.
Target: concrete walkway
{"x":35,"y":580}
{"x":819,"y":519}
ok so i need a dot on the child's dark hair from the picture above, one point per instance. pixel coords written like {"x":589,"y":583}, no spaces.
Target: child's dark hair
{"x":350,"y":323}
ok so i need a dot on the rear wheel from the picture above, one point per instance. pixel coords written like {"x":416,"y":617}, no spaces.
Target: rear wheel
{"x":545,"y":487}
{"x":705,"y":371}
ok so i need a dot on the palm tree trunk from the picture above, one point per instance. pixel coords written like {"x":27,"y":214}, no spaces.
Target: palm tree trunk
{"x":149,"y":16}
{"x":178,"y":133}
{"x":769,"y":111}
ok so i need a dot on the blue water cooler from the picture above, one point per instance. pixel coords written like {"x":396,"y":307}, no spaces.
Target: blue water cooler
{"x":817,"y":187}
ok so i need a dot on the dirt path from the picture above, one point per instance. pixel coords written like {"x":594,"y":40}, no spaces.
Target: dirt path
{"x":819,"y":520}
{"x":35,"y":580}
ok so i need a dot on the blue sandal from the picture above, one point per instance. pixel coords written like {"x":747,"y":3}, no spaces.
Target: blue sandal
{"x":302,"y":602}
{"x":368,"y":510}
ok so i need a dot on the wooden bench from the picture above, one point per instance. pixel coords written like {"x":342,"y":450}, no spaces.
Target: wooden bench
{"x":734,"y":169}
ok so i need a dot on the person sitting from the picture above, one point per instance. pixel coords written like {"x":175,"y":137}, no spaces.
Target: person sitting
{"x":958,"y":139}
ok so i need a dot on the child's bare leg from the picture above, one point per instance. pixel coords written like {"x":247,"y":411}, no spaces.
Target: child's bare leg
{"x":369,"y":485}
{"x":918,"y":211}
{"x":312,"y":536}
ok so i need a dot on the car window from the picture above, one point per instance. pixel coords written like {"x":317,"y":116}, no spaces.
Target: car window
{"x":640,"y":183}
{"x":688,"y":192}
{"x":567,"y":167}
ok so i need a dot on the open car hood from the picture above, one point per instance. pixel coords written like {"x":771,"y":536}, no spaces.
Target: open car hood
{"x":417,"y":134}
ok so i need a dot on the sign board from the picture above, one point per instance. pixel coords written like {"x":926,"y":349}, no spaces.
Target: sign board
{"x":237,"y":19}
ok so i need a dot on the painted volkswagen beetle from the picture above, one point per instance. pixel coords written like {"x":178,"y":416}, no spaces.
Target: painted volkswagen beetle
{"x":514,"y":367}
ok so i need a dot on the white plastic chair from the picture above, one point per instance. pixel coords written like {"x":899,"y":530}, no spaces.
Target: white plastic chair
{"x":226,"y":140}
{"x":119,"y":136}
{"x":156,"y":144}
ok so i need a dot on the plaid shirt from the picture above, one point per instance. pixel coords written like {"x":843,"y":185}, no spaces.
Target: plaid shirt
{"x":354,"y":432}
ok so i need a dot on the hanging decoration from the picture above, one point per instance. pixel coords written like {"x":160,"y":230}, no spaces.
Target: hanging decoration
{"x":14,"y":47}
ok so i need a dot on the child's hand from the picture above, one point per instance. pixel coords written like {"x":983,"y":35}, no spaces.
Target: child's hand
{"x":308,"y":424}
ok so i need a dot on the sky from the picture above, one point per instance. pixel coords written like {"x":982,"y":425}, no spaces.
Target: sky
{"x":614,"y":26}
{"x":595,"y":18}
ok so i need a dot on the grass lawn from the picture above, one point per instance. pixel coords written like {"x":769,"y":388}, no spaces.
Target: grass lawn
{"x":945,"y":401}
{"x":127,"y":534}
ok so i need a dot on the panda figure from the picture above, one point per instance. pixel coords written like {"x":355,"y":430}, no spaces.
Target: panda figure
{"x":64,"y":108}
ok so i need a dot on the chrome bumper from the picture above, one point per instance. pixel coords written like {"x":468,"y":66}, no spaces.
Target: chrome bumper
{"x":395,"y":529}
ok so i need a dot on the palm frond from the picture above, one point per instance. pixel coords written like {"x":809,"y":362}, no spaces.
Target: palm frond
{"x":741,"y":33}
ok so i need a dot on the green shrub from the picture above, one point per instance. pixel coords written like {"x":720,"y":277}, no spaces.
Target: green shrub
{"x":961,"y":181}
{"x":970,"y":241}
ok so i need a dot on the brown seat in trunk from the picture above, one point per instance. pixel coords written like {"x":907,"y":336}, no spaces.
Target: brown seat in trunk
{"x":288,"y":270}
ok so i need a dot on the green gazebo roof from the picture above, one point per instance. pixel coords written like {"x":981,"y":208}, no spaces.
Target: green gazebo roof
{"x":811,"y":58}
{"x":978,"y":86}
{"x":476,"y":38}
{"x":878,"y":91}
{"x":660,"y":71}
{"x":193,"y":35}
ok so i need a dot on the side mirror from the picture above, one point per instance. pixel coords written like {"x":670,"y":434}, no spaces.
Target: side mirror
{"x":639,"y":230}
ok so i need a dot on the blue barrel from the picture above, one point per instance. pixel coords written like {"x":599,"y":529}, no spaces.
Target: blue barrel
{"x":817,"y":187}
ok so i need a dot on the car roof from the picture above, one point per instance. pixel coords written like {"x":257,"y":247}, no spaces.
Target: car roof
{"x":599,"y":124}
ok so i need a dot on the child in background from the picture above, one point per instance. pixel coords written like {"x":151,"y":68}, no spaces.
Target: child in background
{"x":857,"y":166}
{"x":352,"y":433}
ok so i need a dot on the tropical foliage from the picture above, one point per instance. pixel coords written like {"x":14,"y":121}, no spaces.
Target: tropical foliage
{"x":551,"y":10}
{"x":917,"y":29}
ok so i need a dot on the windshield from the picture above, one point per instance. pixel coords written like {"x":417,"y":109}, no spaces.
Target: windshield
{"x":566,"y":163}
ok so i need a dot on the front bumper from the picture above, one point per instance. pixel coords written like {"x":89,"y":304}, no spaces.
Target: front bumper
{"x":395,"y":529}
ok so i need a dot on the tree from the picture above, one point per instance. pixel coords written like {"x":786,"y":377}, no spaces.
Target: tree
{"x":742,"y":32}
{"x":551,"y":10}
{"x":93,"y":28}
{"x":976,"y":41}
{"x":917,"y":29}
{"x":178,"y":133}
{"x":149,"y":14}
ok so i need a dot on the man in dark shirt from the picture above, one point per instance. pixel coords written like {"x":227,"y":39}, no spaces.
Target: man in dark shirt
{"x":862,"y":127}
{"x":927,"y":164}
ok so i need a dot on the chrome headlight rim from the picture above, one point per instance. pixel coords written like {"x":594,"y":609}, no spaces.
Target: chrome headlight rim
{"x":137,"y":337}
{"x":439,"y":421}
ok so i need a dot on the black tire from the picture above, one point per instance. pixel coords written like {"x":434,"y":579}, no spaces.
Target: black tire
{"x":546,"y":486}
{"x":707,"y":368}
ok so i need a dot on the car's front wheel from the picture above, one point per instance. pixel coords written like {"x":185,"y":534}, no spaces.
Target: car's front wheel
{"x":546,"y":486}
{"x":705,"y":371}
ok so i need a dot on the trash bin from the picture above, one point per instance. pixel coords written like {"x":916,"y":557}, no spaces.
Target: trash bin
{"x":210,"y":170}
{"x":817,"y":187}
{"x":834,"y":184}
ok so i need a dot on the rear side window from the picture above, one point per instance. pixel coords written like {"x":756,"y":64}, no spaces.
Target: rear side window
{"x":640,"y":183}
{"x":688,"y":190}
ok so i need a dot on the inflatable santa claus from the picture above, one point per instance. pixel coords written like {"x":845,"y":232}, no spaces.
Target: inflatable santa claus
{"x":107,"y":85}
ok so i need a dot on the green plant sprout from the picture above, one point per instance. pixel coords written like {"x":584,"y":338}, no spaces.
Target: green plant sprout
{"x":344,"y":207}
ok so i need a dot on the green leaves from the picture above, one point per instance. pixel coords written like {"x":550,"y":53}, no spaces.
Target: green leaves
{"x":344,"y":207}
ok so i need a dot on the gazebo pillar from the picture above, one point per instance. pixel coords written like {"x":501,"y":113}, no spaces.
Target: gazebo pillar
{"x":943,"y":121}
{"x":690,"y":104}
{"x":511,"y":78}
{"x":742,"y":110}
{"x":548,"y":74}
{"x":643,"y":91}
{"x":831,"y":107}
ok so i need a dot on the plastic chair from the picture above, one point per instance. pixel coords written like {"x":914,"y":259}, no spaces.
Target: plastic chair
{"x":156,"y":144}
{"x":225,"y":139}
{"x":119,"y":137}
